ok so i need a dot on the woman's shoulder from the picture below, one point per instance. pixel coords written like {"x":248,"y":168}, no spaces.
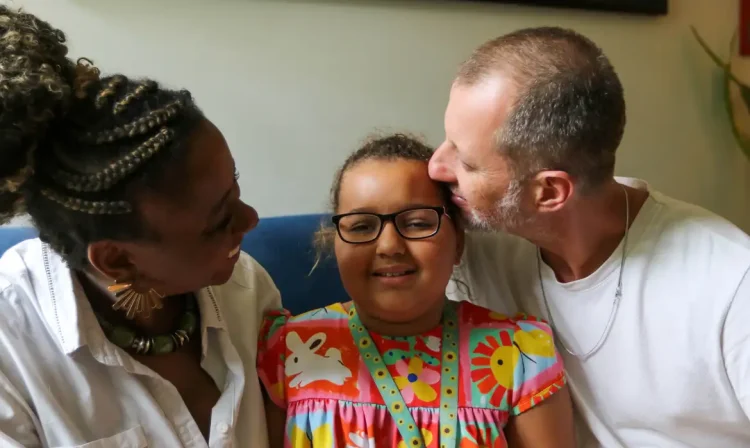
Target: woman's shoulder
{"x":249,"y":288}
{"x":26,"y":293}
{"x":18,"y":264}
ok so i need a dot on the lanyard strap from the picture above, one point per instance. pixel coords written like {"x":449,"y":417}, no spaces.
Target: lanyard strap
{"x":392,"y":396}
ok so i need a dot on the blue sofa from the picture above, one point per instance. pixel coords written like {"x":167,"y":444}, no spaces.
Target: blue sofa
{"x":283,"y":245}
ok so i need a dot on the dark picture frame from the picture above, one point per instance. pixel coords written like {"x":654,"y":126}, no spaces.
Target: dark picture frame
{"x":744,"y":28}
{"x":647,"y":7}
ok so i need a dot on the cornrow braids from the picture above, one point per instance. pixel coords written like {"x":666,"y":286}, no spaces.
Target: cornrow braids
{"x":79,"y":150}
{"x":127,"y":99}
{"x":109,"y":91}
{"x":88,"y":207}
{"x":14,"y":183}
{"x":138,"y":127}
{"x":118,"y":169}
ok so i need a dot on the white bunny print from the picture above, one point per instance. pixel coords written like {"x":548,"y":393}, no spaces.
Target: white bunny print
{"x":310,"y":366}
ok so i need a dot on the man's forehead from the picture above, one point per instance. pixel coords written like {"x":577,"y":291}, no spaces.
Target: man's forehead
{"x":475,"y":113}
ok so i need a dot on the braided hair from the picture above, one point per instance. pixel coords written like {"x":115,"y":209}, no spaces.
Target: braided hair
{"x":76,"y":149}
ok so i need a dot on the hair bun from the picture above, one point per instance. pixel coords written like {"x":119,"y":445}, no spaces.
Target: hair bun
{"x":36,"y":83}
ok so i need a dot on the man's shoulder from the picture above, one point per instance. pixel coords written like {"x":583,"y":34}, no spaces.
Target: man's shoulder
{"x":496,"y":247}
{"x":697,"y":229}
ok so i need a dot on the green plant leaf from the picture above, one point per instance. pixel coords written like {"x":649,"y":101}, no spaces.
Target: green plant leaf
{"x":717,"y":60}
{"x":745,"y":92}
{"x":725,"y":66}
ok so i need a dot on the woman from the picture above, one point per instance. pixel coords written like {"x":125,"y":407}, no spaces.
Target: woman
{"x":112,"y":329}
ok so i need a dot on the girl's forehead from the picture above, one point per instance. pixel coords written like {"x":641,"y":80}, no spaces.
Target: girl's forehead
{"x":387,"y":184}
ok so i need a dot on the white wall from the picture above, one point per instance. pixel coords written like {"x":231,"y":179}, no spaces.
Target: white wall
{"x":296,"y":84}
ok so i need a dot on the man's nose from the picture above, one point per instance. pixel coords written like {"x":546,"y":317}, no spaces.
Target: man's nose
{"x":440,"y":168}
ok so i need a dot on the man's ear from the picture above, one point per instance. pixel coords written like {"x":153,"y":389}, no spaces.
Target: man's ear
{"x":551,"y":190}
{"x":112,"y":260}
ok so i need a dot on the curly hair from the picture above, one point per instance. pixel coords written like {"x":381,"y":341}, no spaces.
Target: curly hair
{"x":392,"y":147}
{"x":76,"y":148}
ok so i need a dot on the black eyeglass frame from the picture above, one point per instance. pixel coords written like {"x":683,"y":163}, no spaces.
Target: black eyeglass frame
{"x":391,"y":217}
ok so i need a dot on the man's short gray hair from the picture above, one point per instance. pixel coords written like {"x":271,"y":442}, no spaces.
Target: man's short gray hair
{"x":569,"y":109}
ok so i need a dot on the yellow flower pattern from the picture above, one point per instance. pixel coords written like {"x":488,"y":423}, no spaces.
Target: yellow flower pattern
{"x":426,"y":435}
{"x":415,"y":380}
{"x":321,"y":437}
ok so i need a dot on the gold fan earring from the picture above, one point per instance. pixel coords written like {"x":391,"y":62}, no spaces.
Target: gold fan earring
{"x":134,"y":302}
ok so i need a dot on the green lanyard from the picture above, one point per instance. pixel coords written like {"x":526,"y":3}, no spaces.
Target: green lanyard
{"x":392,"y":396}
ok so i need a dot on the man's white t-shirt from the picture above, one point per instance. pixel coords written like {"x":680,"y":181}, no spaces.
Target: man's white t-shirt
{"x":675,"y":368}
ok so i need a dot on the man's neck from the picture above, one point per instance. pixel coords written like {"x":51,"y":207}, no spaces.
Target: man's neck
{"x":589,"y":231}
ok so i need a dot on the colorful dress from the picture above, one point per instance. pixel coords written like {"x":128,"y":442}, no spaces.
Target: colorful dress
{"x":311,"y":366}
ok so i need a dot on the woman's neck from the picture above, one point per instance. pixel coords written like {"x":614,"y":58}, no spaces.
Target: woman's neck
{"x":414,"y":327}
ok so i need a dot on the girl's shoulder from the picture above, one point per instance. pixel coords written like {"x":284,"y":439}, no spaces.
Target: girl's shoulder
{"x":333,"y":312}
{"x":331,"y":316}
{"x":474,"y":316}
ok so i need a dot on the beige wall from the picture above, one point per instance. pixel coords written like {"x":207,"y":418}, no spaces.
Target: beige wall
{"x":296,"y":84}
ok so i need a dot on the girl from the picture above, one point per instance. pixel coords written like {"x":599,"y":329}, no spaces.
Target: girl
{"x":399,"y":365}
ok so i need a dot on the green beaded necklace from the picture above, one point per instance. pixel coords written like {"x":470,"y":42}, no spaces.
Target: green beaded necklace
{"x":126,"y":338}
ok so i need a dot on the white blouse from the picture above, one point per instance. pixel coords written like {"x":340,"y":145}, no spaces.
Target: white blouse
{"x":63,"y":384}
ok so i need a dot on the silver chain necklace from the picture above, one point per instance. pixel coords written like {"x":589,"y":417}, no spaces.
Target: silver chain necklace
{"x":618,"y":292}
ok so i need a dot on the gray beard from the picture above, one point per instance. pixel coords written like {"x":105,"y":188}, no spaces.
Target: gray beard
{"x":506,"y":215}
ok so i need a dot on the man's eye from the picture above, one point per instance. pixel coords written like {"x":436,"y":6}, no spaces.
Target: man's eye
{"x":467,"y":166}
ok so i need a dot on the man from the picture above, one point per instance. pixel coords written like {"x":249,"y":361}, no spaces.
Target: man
{"x":648,"y":296}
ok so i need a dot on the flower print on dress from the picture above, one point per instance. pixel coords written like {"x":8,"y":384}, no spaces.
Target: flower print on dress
{"x":416,"y":380}
{"x":320,"y":437}
{"x":426,"y":435}
{"x":493,"y":362}
{"x":482,"y":436}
